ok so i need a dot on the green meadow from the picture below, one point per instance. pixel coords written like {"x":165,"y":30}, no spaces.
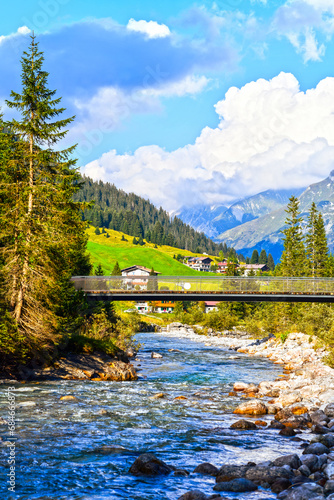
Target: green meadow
{"x":106,"y":251}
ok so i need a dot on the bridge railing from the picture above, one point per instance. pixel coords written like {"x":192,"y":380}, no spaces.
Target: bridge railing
{"x":197,"y":284}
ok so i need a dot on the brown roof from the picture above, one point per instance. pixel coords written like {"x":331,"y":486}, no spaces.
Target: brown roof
{"x":142,"y":268}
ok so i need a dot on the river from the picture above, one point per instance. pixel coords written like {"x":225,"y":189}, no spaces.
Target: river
{"x":83,"y":450}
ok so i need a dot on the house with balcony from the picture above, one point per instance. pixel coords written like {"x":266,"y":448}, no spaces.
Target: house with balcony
{"x":138,"y":276}
{"x":200,"y":263}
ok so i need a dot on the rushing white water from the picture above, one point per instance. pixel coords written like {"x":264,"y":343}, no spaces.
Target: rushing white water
{"x":83,"y":450}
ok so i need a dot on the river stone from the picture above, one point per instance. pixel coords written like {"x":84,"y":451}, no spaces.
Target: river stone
{"x":287,"y":432}
{"x":319,"y":417}
{"x":329,"y":410}
{"x":330,"y":424}
{"x":268,"y":475}
{"x":311,"y":461}
{"x":193,"y":495}
{"x":315,"y":449}
{"x":207,"y":468}
{"x":148,"y":464}
{"x":276,"y":425}
{"x":255,"y":407}
{"x":68,"y":397}
{"x":327,"y":440}
{"x":329,"y":487}
{"x":229,"y":472}
{"x":238,"y":485}
{"x":244,"y":425}
{"x":308,"y":491}
{"x":304,"y":470}
{"x":319,"y":429}
{"x":157,"y":396}
{"x":292,"y":461}
{"x":329,"y":470}
{"x":156,"y":355}
{"x":280,"y":485}
{"x":240,"y":386}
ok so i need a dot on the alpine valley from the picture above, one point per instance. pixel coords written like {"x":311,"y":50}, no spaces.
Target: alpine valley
{"x":256,"y":222}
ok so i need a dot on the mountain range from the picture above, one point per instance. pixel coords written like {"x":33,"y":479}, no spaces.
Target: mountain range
{"x":256,"y":222}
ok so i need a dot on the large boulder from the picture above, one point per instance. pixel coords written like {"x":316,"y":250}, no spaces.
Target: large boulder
{"x":311,"y":461}
{"x":243,"y":425}
{"x":307,"y":491}
{"x":207,"y":469}
{"x":329,"y":410}
{"x":193,"y":495}
{"x":262,"y":474}
{"x":239,"y":485}
{"x":255,"y":407}
{"x":292,"y":461}
{"x":315,"y":449}
{"x":229,"y":472}
{"x":148,"y":464}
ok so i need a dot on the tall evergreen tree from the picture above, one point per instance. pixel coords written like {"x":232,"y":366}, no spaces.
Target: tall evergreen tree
{"x":271,"y":262}
{"x":263,"y":259}
{"x":116,"y":270}
{"x":293,"y":260}
{"x":43,"y":239}
{"x":316,"y":243}
{"x":255,"y":257}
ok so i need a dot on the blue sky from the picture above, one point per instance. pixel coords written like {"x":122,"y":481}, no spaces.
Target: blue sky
{"x":187,"y":102}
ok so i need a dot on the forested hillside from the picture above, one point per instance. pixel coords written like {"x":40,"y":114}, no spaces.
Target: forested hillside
{"x":133,"y":215}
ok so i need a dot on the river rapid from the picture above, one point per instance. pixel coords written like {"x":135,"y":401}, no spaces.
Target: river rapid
{"x":80,"y":450}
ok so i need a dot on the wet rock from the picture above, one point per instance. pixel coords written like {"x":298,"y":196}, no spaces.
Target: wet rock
{"x":304,"y":470}
{"x":319,"y":429}
{"x":207,"y":469}
{"x":326,"y":440}
{"x":156,"y":355}
{"x":276,"y":425}
{"x":307,"y":491}
{"x":315,"y":449}
{"x":330,"y":424}
{"x":148,"y":464}
{"x":329,"y":410}
{"x":287,"y":432}
{"x":68,"y":397}
{"x":181,"y":473}
{"x":269,"y":475}
{"x":329,"y":487}
{"x":280,"y":485}
{"x":255,"y":407}
{"x":193,"y":495}
{"x":160,"y":395}
{"x":244,"y":425}
{"x":319,"y":417}
{"x":311,"y":461}
{"x":229,"y":472}
{"x":239,"y":485}
{"x":292,"y":461}
{"x":261,"y":423}
{"x":329,"y":470}
{"x":240,"y":386}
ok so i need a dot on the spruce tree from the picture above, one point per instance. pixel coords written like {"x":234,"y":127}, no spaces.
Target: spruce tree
{"x":271,"y":262}
{"x":116,"y":270}
{"x":263,"y":259}
{"x":43,"y":238}
{"x":316,"y":243}
{"x":293,"y":260}
{"x":255,"y":257}
{"x":99,"y":271}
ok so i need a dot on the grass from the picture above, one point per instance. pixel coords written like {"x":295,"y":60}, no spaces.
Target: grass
{"x":106,"y":251}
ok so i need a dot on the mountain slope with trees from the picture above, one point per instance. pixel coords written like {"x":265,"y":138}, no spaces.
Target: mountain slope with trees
{"x":135,"y":216}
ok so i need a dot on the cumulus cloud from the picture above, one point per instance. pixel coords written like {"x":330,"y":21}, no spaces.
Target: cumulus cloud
{"x":151,"y":29}
{"x":271,"y":135}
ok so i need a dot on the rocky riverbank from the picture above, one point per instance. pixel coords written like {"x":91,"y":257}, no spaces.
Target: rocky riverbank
{"x":97,"y":367}
{"x":301,"y":403}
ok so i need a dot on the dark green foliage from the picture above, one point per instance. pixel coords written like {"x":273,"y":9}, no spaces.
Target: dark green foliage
{"x":255,"y":257}
{"x":263,"y":259}
{"x":293,"y":261}
{"x":271,"y":262}
{"x":116,"y":270}
{"x":248,"y":260}
{"x":316,"y":243}
{"x":135,"y":241}
{"x":99,"y":271}
{"x":137,"y":217}
{"x":97,"y":231}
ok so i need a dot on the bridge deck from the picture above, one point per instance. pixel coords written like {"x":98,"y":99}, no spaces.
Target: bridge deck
{"x":218,"y":288}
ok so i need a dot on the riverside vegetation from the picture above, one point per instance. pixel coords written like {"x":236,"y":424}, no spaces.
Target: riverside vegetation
{"x":42,"y":239}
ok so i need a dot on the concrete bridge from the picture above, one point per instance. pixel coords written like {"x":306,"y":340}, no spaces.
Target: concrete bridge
{"x":217,"y":288}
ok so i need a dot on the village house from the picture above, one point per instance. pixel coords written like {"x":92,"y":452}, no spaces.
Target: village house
{"x":211,"y":305}
{"x":222,"y":266}
{"x":138,"y":276}
{"x":245,"y":269}
{"x":200,"y":263}
{"x":159,"y":306}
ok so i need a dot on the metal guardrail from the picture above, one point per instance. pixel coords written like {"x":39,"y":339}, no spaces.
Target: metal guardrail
{"x":258,"y":285}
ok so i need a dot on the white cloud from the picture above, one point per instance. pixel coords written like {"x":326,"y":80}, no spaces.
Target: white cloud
{"x":190,"y":85}
{"x":23,"y":30}
{"x":270,"y":135}
{"x":151,"y":29}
